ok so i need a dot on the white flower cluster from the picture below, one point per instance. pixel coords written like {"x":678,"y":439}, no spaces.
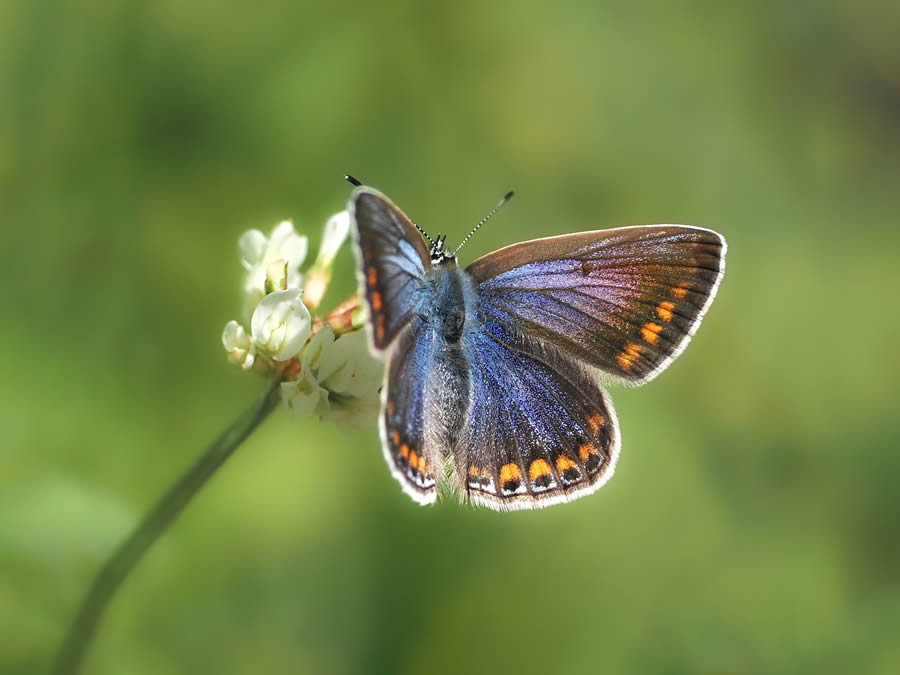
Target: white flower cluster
{"x":326,"y":365}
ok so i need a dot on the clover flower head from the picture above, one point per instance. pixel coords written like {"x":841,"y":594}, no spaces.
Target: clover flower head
{"x":324,"y":362}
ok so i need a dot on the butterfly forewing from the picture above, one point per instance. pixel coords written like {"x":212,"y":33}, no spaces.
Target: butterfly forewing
{"x":393,"y":261}
{"x":625,"y":301}
{"x":540,"y":430}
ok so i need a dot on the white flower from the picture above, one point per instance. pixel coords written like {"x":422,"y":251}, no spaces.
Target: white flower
{"x":331,"y":377}
{"x":281,"y":324}
{"x":304,"y":394}
{"x":338,"y":379}
{"x":258,"y":252}
{"x":336,"y":230}
{"x":238,"y":345}
{"x":335,"y":233}
{"x":348,"y":368}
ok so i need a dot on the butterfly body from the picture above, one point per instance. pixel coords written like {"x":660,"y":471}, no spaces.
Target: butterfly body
{"x":441,"y":324}
{"x":491,"y":380}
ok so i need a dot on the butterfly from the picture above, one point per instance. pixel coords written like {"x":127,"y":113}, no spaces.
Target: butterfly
{"x":492,"y":371}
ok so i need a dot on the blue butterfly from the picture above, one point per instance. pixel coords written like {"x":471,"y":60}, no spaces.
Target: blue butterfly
{"x":491,"y":377}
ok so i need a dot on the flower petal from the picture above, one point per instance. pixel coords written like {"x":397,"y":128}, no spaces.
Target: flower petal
{"x":336,"y":230}
{"x":294,"y":249}
{"x":309,"y":359}
{"x":252,"y":246}
{"x":280,"y":233}
{"x":303,"y":395}
{"x":348,"y":368}
{"x":286,"y":243}
{"x":335,"y":233}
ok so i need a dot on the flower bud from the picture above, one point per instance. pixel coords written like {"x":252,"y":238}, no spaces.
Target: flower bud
{"x":335,"y":233}
{"x":238,"y":345}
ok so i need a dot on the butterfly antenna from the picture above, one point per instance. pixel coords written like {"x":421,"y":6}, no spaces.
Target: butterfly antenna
{"x":350,"y":179}
{"x":424,"y":234}
{"x":505,"y":199}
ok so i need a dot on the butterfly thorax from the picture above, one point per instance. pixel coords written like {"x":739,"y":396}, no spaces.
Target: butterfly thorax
{"x":452,"y":297}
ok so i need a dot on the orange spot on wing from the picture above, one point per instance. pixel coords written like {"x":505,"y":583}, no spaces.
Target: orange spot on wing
{"x":665,"y":310}
{"x":376,"y":301}
{"x":628,"y":355}
{"x":679,"y":292}
{"x":650,"y":332}
{"x":480,"y":479}
{"x":596,"y":421}
{"x":404,"y":450}
{"x":372,"y":277}
{"x":390,"y":406}
{"x":585,"y":451}
{"x":538,"y":468}
{"x":379,"y":328}
{"x":563,"y":464}
{"x":396,"y":437}
{"x":510,"y":472}
{"x":413,"y":459}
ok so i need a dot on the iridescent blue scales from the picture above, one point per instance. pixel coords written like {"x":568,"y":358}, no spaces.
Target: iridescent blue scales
{"x":492,"y":376}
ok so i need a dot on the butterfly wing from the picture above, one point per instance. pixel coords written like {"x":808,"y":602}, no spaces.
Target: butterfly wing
{"x":403,"y":419}
{"x":540,"y":430}
{"x":392,"y":261}
{"x":626,"y":301}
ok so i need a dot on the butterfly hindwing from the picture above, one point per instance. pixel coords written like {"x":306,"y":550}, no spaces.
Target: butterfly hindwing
{"x":393,"y":261}
{"x":402,"y":422}
{"x":539,"y":431}
{"x":625,"y":300}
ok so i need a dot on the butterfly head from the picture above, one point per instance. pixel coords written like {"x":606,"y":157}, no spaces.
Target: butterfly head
{"x":440,"y":255}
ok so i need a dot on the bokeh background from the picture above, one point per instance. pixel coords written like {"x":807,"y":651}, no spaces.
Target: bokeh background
{"x":752,"y":523}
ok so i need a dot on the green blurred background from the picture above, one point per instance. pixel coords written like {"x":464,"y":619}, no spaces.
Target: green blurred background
{"x":752,"y":523}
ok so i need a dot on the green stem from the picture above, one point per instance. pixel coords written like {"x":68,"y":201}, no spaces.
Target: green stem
{"x":129,"y":554}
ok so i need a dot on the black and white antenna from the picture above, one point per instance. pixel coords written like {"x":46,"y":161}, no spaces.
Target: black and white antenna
{"x":424,"y":234}
{"x":505,"y":199}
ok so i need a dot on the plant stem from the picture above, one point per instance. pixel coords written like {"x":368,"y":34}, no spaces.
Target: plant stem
{"x":167,"y":509}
